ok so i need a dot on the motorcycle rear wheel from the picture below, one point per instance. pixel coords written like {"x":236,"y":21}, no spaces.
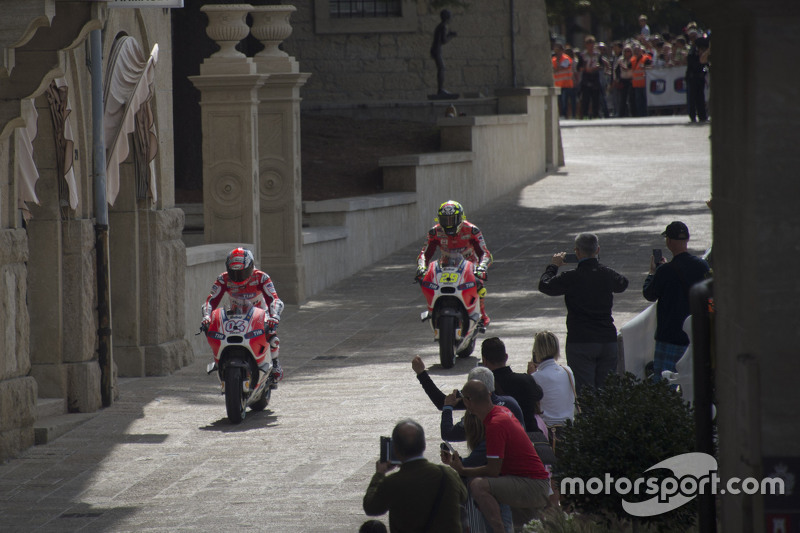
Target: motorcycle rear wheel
{"x":235,"y":401}
{"x":447,"y":341}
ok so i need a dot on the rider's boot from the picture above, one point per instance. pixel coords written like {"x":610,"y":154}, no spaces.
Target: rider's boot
{"x":277,"y":372}
{"x":484,"y":317}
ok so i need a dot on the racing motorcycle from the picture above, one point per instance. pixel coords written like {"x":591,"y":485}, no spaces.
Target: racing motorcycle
{"x":241,"y":359}
{"x":451,"y":291}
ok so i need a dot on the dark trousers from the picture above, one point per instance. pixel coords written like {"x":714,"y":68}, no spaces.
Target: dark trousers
{"x":626,"y":102}
{"x":591,"y":362}
{"x":696,"y":98}
{"x":590,"y":93}
{"x":640,"y":95}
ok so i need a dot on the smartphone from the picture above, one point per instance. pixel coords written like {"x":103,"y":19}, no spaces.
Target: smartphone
{"x":445,"y":447}
{"x":387,"y":455}
{"x":571,"y":258}
{"x":386,"y":449}
{"x":657,"y":256}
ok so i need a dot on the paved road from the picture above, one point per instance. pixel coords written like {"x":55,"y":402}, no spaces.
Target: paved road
{"x":164,"y":458}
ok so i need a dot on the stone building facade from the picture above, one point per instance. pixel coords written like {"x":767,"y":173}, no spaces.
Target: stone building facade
{"x":48,"y":272}
{"x":355,"y":58}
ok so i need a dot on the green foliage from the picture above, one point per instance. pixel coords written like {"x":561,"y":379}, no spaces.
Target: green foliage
{"x":555,"y":520}
{"x":624,"y":429}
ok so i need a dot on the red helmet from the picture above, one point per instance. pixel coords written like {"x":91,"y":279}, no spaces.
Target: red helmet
{"x":240,"y":265}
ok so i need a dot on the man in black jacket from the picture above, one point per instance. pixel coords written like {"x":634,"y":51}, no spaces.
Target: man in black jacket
{"x":521,"y":387}
{"x":589,"y":296}
{"x":669,"y":284}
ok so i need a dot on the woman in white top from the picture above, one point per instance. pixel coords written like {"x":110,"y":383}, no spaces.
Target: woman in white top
{"x":556,"y":381}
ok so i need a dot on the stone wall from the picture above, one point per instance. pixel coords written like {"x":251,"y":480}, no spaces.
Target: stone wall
{"x":364,"y":61}
{"x":754,"y":181}
{"x":17,"y":389}
{"x":48,"y":302}
{"x":487,"y":157}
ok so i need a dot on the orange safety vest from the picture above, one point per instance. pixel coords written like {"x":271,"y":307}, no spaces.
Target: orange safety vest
{"x":639,"y":74}
{"x":562,"y":77}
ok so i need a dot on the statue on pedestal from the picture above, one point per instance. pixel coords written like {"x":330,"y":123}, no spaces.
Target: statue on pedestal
{"x":440,"y":37}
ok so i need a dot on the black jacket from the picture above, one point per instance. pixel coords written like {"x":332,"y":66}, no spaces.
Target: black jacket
{"x":589,"y":295}
{"x":670,"y":286}
{"x":521,"y":387}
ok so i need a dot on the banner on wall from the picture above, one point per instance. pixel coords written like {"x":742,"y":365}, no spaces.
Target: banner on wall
{"x":667,"y":87}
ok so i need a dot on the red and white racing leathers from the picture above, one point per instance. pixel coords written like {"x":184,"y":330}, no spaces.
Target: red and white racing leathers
{"x":468,"y":242}
{"x":257,"y":291}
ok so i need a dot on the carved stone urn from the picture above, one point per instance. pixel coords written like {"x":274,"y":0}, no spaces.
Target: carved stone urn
{"x":271,"y":26}
{"x":227,"y":26}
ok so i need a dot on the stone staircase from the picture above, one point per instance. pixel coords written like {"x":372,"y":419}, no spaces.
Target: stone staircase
{"x":193,"y":224}
{"x":52,"y":419}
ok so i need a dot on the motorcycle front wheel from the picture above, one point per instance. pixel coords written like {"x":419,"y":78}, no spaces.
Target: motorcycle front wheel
{"x":235,"y":401}
{"x":263,"y":401}
{"x":447,"y":341}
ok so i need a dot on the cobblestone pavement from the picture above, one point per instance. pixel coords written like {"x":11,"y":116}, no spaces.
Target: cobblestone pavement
{"x":164,"y":458}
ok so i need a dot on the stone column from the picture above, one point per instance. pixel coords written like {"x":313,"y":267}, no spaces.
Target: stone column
{"x":18,"y":389}
{"x":228,"y":83}
{"x":280,"y":200}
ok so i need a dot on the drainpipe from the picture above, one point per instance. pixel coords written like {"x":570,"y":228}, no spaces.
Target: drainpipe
{"x":513,"y":46}
{"x":104,"y":353}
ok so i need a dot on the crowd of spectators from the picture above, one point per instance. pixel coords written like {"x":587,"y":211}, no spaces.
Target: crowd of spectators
{"x":510,"y":419}
{"x":602,"y":80}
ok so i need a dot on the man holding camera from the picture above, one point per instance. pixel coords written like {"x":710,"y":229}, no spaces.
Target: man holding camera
{"x":421,"y":496}
{"x":513,"y":473}
{"x":669,"y":284}
{"x":588,"y":292}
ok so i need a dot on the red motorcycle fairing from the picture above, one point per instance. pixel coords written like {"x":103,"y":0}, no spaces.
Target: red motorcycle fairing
{"x":467,"y":284}
{"x":251,"y":327}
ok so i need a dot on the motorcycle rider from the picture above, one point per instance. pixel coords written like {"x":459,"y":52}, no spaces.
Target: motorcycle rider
{"x":248,"y":287}
{"x":454,"y":235}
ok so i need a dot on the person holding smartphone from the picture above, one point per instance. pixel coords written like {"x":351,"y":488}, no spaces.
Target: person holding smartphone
{"x":588,"y":293}
{"x":668,"y":283}
{"x":421,"y":496}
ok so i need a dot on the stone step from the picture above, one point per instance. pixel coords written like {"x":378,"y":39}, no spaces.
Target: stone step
{"x":50,"y":428}
{"x":193,"y":238}
{"x":193,"y":216}
{"x":47,"y":407}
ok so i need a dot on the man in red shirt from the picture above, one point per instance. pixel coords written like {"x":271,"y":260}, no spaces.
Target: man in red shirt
{"x":513,"y":473}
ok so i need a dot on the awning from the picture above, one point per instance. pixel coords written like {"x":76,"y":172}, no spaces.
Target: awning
{"x":128,"y":87}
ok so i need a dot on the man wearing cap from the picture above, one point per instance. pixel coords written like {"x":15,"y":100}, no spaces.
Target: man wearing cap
{"x":669,"y":284}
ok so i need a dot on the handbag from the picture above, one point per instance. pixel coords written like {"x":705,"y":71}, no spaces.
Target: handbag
{"x":574,"y":394}
{"x":553,"y":430}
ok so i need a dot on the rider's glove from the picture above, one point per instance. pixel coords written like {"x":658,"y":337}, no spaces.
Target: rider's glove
{"x":205,"y":323}
{"x":272,"y":323}
{"x":421,"y":272}
{"x":480,"y":273}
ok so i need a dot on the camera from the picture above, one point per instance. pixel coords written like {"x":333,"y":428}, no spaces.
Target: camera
{"x":446,"y":448}
{"x":387,"y":453}
{"x":571,"y":258}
